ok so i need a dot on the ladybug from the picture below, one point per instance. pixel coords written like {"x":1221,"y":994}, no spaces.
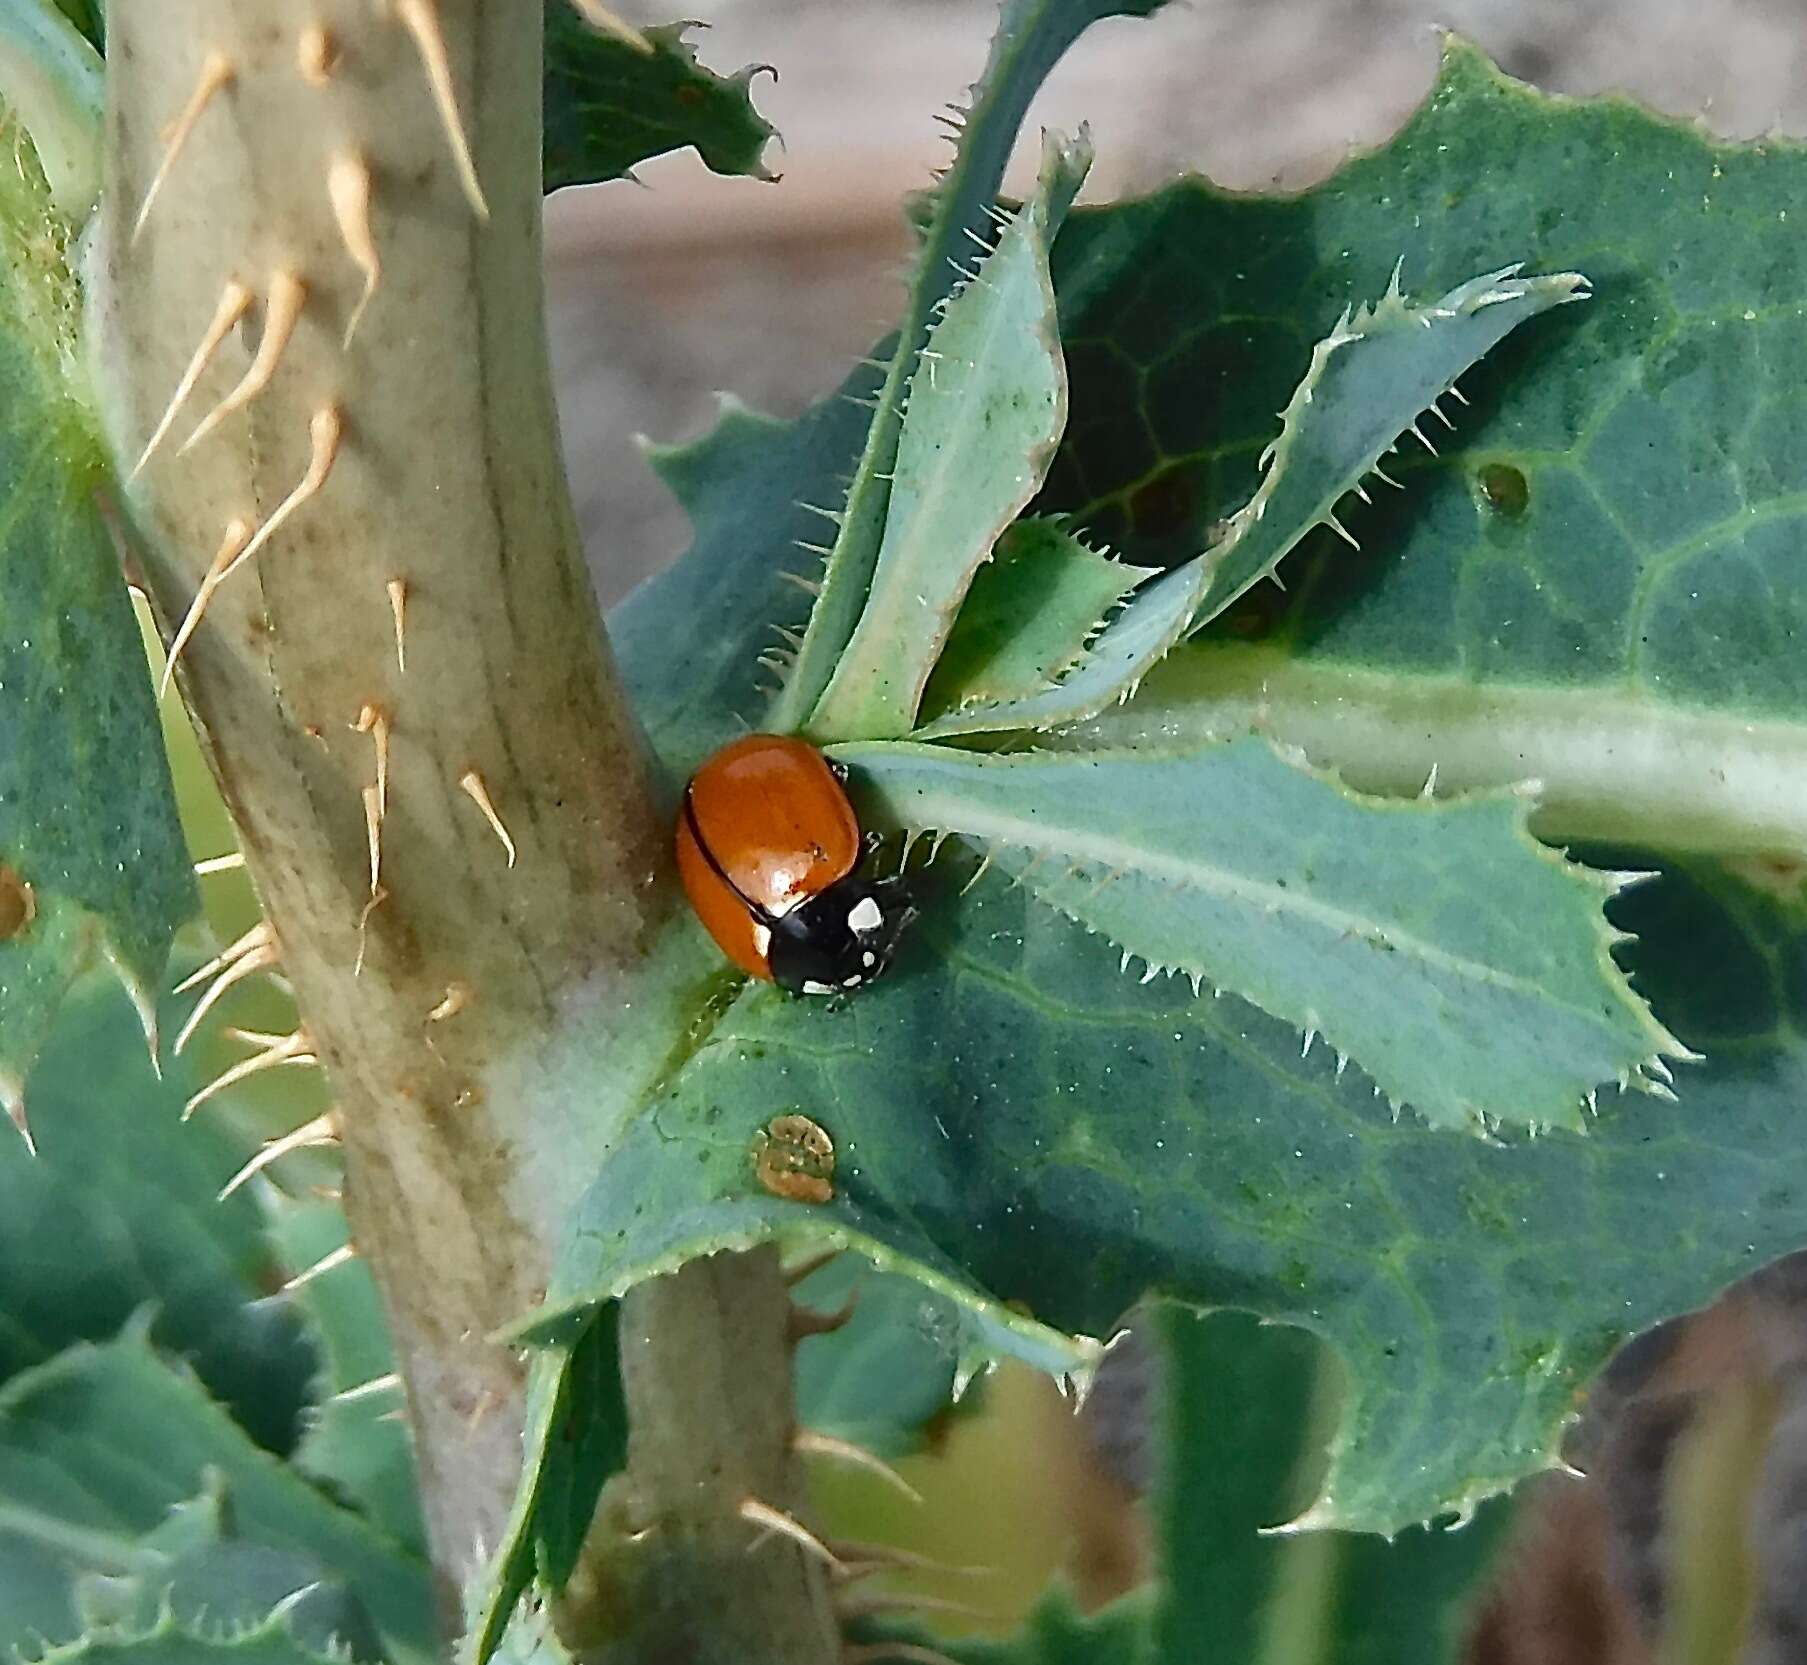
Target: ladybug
{"x":770,"y":852}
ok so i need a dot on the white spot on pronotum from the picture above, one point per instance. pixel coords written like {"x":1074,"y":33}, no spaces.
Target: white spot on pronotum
{"x":868,"y":958}
{"x":232,"y":545}
{"x":216,"y":72}
{"x":234,"y":303}
{"x":348,"y":187}
{"x":324,"y":433}
{"x":811,"y":986}
{"x":287,"y":296}
{"x":762,"y":940}
{"x":398,"y":608}
{"x":471,"y":784}
{"x":421,"y":19}
{"x":865,"y":915}
{"x":316,"y":57}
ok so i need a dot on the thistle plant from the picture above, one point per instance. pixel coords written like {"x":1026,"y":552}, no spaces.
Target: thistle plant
{"x":1323,"y":664}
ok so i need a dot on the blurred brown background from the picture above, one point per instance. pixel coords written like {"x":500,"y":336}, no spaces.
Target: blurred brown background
{"x":661,"y":295}
{"x":1689,"y":1543}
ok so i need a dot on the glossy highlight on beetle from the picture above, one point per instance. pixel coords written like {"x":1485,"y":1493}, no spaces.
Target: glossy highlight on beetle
{"x":770,"y":853}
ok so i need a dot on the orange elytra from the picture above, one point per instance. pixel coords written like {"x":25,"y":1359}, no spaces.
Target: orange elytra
{"x":770,"y":853}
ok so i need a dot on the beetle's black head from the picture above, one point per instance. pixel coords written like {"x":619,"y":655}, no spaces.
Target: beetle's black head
{"x":841,"y":938}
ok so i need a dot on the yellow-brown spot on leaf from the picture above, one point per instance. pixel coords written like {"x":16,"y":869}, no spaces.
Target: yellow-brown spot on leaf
{"x":18,"y":905}
{"x":794,"y":1159}
{"x":1504,"y":489}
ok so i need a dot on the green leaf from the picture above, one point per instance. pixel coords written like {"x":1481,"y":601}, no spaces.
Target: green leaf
{"x":1008,"y":1104}
{"x":1240,"y":1426}
{"x":1464,"y":967}
{"x":1241,"y":1430}
{"x":1379,"y":369}
{"x":89,"y":16}
{"x":50,"y":75}
{"x":531,"y":1640}
{"x":588,"y":1444}
{"x":986,"y":405}
{"x":742,"y":485}
{"x":575,"y":1439}
{"x":613,"y":100}
{"x":1028,"y":618}
{"x":118,"y":1213}
{"x":98,"y":1445}
{"x":1595,"y":583}
{"x":274,"y":1641}
{"x":1032,"y":37}
{"x":92,"y":864}
{"x":229,"y":1586}
{"x":875,"y":1381}
{"x":353,"y":1443}
{"x":1057,"y":1633}
{"x":889,"y":1371}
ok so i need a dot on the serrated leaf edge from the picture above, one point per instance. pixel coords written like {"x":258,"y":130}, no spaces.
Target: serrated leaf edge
{"x":1649,"y":1074}
{"x":1053,"y":1351}
{"x":273,"y":1627}
{"x":1103,"y":552}
{"x":1065,"y":163}
{"x":1196,"y":606}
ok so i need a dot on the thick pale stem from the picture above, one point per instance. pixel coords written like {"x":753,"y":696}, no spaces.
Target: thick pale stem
{"x":698,"y":1553}
{"x":423,"y":455}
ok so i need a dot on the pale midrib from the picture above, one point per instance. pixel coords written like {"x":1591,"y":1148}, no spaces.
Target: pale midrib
{"x":956,"y":814}
{"x":871,"y":655}
{"x":88,"y":1545}
{"x":1612,"y":765}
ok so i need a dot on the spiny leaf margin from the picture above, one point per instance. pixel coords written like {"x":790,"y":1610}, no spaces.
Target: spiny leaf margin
{"x":1341,"y":420}
{"x":1032,"y":36}
{"x":1032,"y":612}
{"x":1462,"y":965}
{"x":987,"y":405}
{"x":87,"y":812}
{"x":611,"y":105}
